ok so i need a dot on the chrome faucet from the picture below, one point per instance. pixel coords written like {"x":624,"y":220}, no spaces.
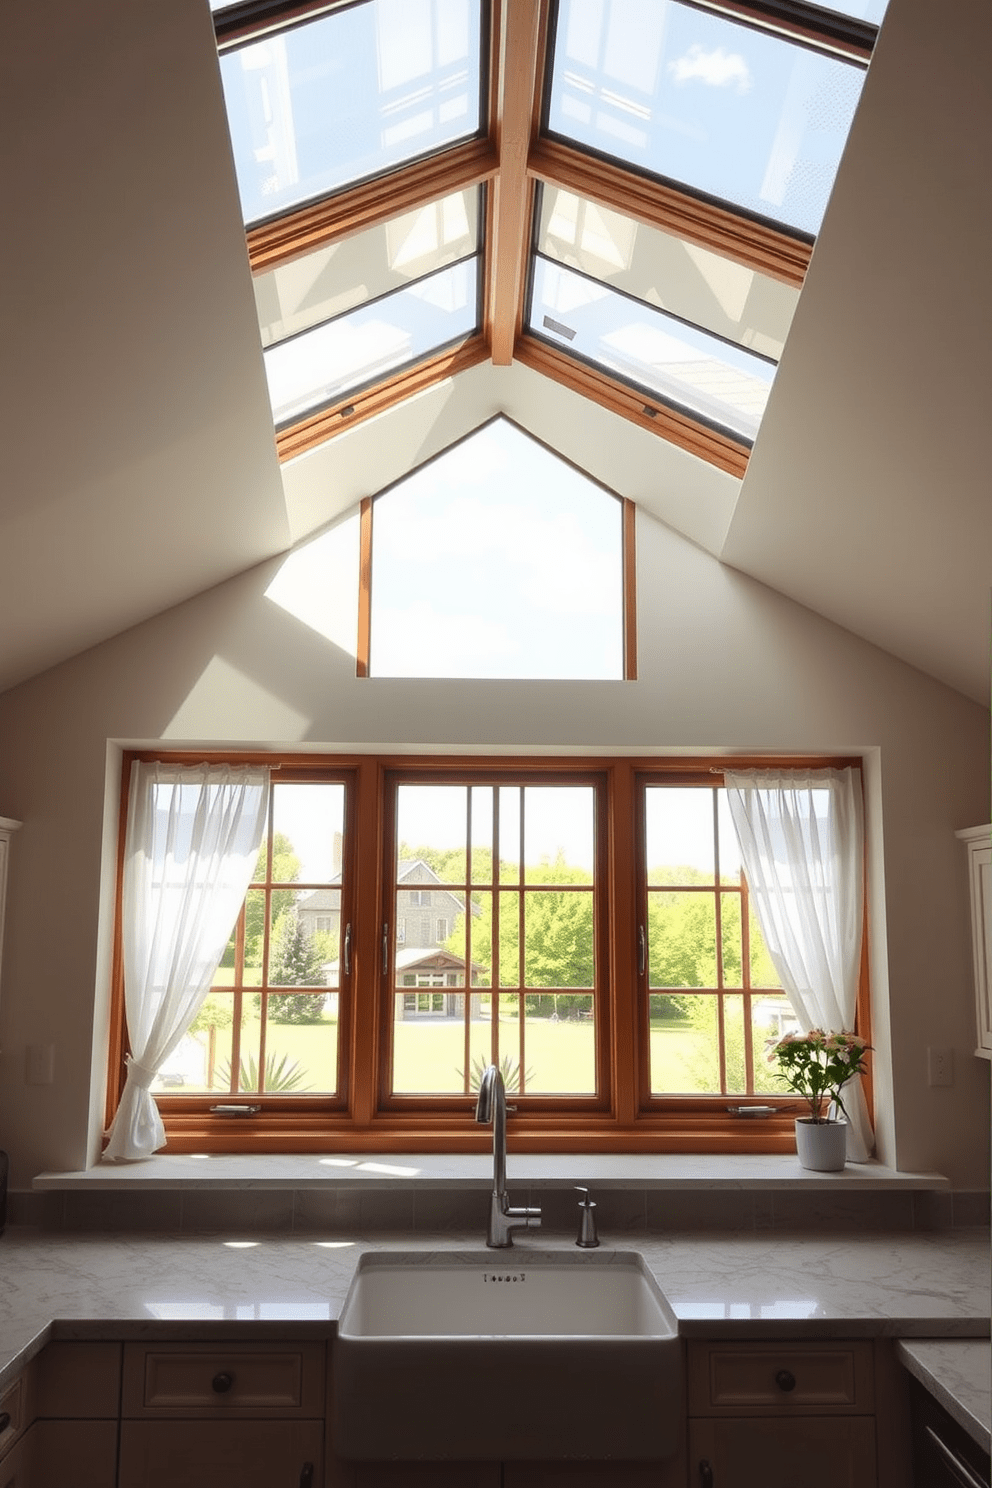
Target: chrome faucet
{"x":491,"y":1106}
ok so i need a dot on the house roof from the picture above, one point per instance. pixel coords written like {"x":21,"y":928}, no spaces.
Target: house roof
{"x":140,"y":462}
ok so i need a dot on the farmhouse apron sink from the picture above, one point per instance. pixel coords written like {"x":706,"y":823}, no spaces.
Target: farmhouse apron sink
{"x":540,"y":1354}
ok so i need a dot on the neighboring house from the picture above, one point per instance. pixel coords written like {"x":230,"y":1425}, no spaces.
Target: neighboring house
{"x":426,"y":912}
{"x":319,"y":910}
{"x":426,"y":979}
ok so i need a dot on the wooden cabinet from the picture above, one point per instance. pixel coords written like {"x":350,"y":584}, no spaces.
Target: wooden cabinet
{"x":209,"y":1414}
{"x":781,"y":1415}
{"x":978,"y":841}
{"x":14,"y":1421}
{"x":64,"y":1410}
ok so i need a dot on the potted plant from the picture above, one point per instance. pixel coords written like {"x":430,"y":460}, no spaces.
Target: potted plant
{"x":816,"y":1065}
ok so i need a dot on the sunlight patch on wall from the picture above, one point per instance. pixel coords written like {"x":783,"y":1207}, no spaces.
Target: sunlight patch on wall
{"x":225,"y":703}
{"x":318,"y":584}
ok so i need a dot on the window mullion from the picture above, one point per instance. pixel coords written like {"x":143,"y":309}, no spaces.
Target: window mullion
{"x":624,"y":907}
{"x":369,"y":1004}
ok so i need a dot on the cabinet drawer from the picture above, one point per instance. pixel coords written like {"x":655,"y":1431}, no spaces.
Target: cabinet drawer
{"x":780,"y":1378}
{"x":195,"y":1380}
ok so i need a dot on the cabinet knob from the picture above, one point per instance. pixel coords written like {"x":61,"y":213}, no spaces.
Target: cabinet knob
{"x":221,"y":1383}
{"x":306,"y":1476}
{"x":786,"y":1380}
{"x":705,"y":1474}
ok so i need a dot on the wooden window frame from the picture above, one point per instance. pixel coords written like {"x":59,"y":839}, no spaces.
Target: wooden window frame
{"x":496,"y":773}
{"x":359,"y":1118}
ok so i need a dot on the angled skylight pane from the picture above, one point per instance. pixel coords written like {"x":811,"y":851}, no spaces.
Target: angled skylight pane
{"x":349,"y":95}
{"x":861,"y":10}
{"x":696,"y":284}
{"x":343,"y":275}
{"x":721,"y":383}
{"x":736,"y":113}
{"x":318,"y":366}
{"x":497,"y":560}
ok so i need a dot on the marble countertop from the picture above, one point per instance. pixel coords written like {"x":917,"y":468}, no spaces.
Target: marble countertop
{"x":958,"y":1372}
{"x":912,"y":1285}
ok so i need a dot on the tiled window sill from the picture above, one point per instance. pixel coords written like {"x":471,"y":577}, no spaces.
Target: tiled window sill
{"x":437,"y":1193}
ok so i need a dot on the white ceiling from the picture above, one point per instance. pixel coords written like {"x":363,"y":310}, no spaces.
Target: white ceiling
{"x":139,"y":466}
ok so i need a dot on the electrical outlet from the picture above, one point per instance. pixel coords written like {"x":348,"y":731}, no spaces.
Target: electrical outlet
{"x":940,"y":1066}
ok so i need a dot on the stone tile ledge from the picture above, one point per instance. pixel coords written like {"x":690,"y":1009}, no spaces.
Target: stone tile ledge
{"x":443,"y":1193}
{"x":429,"y":1170}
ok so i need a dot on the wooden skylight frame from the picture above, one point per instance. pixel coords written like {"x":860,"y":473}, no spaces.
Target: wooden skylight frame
{"x":509,"y":157}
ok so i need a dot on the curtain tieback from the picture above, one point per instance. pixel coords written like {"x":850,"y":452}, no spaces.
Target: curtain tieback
{"x":139,"y":1074}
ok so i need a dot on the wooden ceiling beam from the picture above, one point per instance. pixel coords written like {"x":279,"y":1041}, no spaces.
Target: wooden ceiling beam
{"x":522,"y":24}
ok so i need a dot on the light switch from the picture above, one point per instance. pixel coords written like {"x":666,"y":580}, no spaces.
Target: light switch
{"x":41,"y":1064}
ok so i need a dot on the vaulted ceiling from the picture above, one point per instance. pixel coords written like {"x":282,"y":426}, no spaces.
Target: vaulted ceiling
{"x":140,"y":463}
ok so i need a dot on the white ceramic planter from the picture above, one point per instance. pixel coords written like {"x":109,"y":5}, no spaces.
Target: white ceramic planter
{"x":821,"y":1145}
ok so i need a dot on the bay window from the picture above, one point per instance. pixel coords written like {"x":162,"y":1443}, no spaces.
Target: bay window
{"x":584,"y":923}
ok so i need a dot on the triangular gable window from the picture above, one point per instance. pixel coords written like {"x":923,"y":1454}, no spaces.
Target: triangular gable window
{"x":498,"y":559}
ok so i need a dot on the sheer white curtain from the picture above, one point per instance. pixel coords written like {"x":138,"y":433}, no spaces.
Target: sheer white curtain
{"x":801,"y":836}
{"x":193,"y":836}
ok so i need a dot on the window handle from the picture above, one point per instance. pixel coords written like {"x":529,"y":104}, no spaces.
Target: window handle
{"x":642,"y":947}
{"x":385,"y":947}
{"x":347,"y":949}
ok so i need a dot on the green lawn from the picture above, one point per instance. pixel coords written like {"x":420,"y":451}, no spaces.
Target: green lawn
{"x":430,"y":1055}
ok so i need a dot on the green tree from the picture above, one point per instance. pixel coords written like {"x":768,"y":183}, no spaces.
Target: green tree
{"x":295,"y":960}
{"x":558,"y":931}
{"x":285,"y":869}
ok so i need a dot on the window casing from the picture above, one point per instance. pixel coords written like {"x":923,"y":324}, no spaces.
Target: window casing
{"x":606,"y":995}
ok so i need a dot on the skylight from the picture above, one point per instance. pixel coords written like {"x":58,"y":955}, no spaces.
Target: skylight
{"x":349,"y":95}
{"x":388,"y":166}
{"x":349,"y":312}
{"x":692,"y":283}
{"x":706,"y":101}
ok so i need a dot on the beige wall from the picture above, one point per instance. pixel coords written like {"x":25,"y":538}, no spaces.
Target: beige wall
{"x":724,"y":663}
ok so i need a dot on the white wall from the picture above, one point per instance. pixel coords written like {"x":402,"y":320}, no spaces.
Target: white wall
{"x":724,"y":663}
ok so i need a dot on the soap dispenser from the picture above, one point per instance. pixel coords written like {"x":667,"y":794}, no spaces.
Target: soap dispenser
{"x":588,"y":1239}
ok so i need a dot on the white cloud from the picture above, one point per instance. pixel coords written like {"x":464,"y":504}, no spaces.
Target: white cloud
{"x":718,"y":68}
